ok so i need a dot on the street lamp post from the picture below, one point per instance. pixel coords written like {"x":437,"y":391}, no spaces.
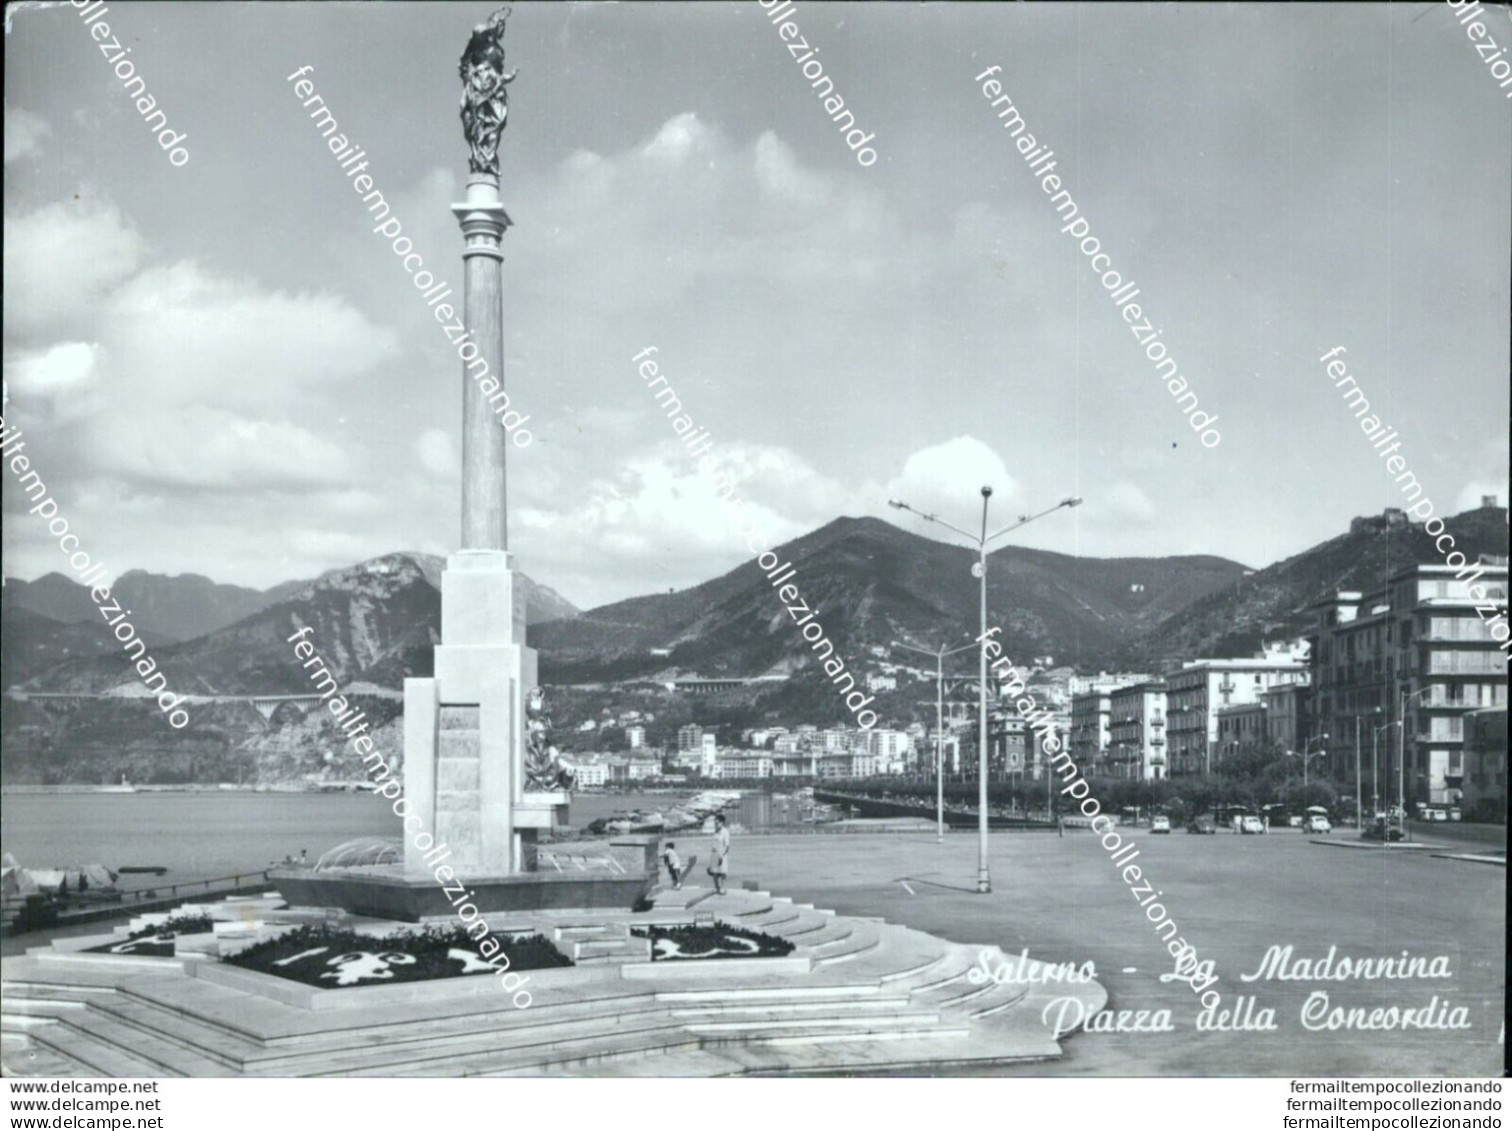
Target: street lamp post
{"x":1307,"y":755}
{"x":1375,"y":793}
{"x":979,"y":570}
{"x":939,"y":655}
{"x":1402,"y":700}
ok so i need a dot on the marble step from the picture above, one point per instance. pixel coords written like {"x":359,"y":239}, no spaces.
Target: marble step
{"x":114,"y":1049}
{"x":491,"y":1051}
{"x":796,"y":992}
{"x":843,"y":1008}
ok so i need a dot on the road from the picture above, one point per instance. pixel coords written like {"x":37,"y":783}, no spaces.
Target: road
{"x":1233,"y":898}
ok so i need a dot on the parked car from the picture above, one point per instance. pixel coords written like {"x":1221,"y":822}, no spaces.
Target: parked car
{"x":1202,"y":824}
{"x":1251,"y":825}
{"x":1381,"y":831}
{"x":1160,"y":824}
{"x":1317,"y":823}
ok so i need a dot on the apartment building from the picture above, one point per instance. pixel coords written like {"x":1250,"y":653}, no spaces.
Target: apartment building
{"x":1288,"y":718}
{"x":1240,"y":728}
{"x":889,"y":749}
{"x":1485,"y":782}
{"x":744,"y":764}
{"x":1089,"y":728}
{"x":1202,"y":688}
{"x":1137,"y":731}
{"x":1398,"y":670}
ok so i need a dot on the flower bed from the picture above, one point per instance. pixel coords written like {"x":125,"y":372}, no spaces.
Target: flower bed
{"x":337,"y":957}
{"x":721,"y":940}
{"x":157,"y":942}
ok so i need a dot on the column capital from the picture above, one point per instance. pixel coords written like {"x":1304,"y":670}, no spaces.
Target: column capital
{"x":482,"y":218}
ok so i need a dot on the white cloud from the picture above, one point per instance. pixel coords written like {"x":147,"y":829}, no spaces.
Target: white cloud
{"x":179,"y":332}
{"x":64,"y":370}
{"x":62,"y":259}
{"x":947,"y":478}
{"x":215,"y":450}
{"x":24,"y":132}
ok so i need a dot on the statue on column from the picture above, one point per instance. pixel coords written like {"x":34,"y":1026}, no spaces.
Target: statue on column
{"x":545,"y":768}
{"x":485,"y":102}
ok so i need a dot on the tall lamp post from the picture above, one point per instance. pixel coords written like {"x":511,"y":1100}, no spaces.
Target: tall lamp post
{"x":1375,"y":791}
{"x":939,"y":654}
{"x":1307,"y":755}
{"x":1403,"y":698}
{"x":979,"y":571}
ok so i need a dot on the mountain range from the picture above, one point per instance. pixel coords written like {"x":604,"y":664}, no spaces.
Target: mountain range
{"x":868,"y":582}
{"x":378,"y":617}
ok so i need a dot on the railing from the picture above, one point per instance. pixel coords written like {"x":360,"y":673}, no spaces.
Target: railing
{"x":142,"y":895}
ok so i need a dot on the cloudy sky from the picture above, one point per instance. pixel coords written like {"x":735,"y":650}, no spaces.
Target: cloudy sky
{"x":221,"y":370}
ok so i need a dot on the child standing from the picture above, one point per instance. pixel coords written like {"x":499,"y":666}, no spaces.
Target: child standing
{"x":673,"y":863}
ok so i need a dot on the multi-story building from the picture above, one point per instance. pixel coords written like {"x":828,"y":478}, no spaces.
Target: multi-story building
{"x":835,"y":740}
{"x":1485,"y":782}
{"x":1396,"y":671}
{"x":1241,"y":728}
{"x":591,"y":775}
{"x":1007,"y":744}
{"x":1136,"y":731}
{"x":1089,"y":729}
{"x":804,"y":764}
{"x":1288,"y":719}
{"x":1202,"y":688}
{"x":1039,"y":757}
{"x":635,"y":736}
{"x":744,"y":764}
{"x":889,"y":749}
{"x":690,"y":739}
{"x":1105,"y":681}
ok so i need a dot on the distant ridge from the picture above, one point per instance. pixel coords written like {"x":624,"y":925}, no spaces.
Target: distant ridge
{"x":871,"y":583}
{"x":383,"y":612}
{"x":1273,"y":601}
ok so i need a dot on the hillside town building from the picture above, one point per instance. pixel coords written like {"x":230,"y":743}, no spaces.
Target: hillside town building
{"x":1399,"y":670}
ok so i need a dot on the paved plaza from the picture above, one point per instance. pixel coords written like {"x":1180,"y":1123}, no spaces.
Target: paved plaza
{"x":1233,"y":897}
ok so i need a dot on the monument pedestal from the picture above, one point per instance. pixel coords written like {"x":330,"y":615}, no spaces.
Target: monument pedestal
{"x":464,"y":737}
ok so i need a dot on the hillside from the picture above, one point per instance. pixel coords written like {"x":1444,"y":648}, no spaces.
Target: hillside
{"x":30,"y":643}
{"x":169,"y":608}
{"x":51,"y":621}
{"x":375,"y":622}
{"x":1273,"y":601}
{"x":872,"y":583}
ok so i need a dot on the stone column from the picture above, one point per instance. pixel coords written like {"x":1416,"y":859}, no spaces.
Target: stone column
{"x":483,"y":220}
{"x":464,"y":753}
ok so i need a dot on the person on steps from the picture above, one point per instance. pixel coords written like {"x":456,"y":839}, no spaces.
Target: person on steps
{"x":719,"y":865}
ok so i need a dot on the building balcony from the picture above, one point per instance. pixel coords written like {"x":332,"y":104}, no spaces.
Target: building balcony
{"x":1157,"y":741}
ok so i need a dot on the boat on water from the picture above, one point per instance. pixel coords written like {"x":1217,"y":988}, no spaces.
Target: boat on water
{"x":123,"y":786}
